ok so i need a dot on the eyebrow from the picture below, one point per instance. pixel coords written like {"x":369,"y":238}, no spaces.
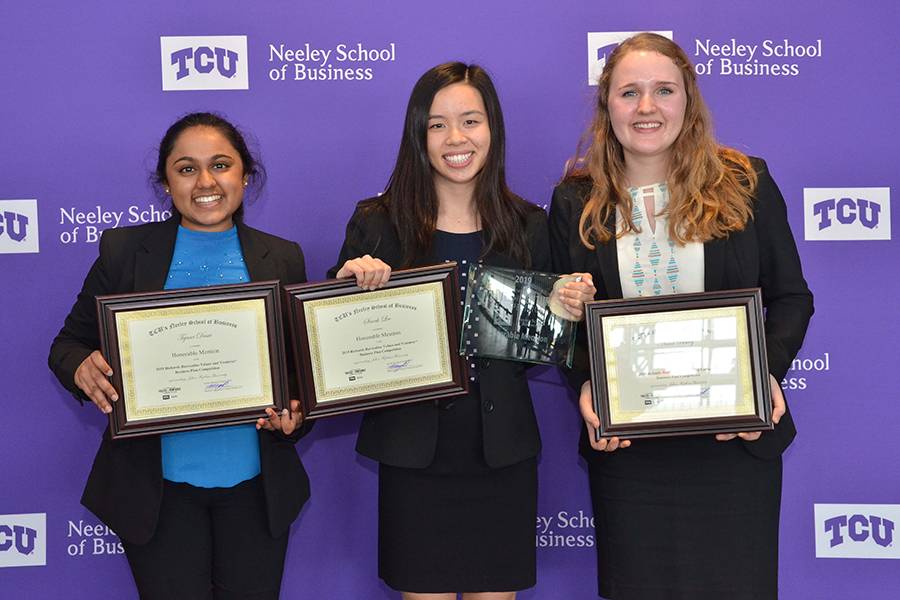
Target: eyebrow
{"x":465,"y":114}
{"x":191,"y":158}
{"x":631,"y":83}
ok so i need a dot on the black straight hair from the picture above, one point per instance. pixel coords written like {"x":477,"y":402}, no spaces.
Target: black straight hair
{"x":253,"y":170}
{"x":410,"y":197}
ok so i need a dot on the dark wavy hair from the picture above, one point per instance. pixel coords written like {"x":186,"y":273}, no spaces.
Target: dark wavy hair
{"x":410,"y":197}
{"x":252,"y":167}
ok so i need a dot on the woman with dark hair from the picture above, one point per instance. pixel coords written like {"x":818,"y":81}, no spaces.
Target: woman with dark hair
{"x":458,"y":477}
{"x":204,"y":513}
{"x":657,"y":206}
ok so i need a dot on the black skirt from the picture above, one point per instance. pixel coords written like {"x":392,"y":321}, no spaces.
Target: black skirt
{"x":458,"y":525}
{"x":686,"y":518}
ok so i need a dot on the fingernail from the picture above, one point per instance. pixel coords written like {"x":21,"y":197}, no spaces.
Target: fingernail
{"x":115,"y":398}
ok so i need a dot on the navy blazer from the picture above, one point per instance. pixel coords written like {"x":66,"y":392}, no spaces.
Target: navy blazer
{"x":406,"y":436}
{"x":762,"y":255}
{"x":124,"y":488}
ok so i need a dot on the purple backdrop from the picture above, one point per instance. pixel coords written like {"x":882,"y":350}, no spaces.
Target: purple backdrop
{"x":83,"y":106}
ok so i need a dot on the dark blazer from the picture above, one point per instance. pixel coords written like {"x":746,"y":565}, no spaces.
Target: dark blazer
{"x":125,"y":487}
{"x":762,"y":255}
{"x":406,"y":436}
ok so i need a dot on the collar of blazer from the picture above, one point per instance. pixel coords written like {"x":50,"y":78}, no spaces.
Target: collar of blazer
{"x":713,"y":264}
{"x":152,"y":261}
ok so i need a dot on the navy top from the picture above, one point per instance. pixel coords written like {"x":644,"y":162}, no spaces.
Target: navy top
{"x":460,"y":448}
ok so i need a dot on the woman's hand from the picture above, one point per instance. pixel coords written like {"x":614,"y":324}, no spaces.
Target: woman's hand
{"x":286,"y":421}
{"x":778,"y":408}
{"x":575,"y":293}
{"x":371,"y":273}
{"x":92,"y":378}
{"x":592,"y":422}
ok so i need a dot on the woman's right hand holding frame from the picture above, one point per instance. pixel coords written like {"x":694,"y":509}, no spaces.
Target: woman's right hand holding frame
{"x":371,"y":273}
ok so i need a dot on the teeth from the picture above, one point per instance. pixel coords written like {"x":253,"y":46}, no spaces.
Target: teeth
{"x":207,"y":199}
{"x":458,"y":159}
{"x":646,"y":125}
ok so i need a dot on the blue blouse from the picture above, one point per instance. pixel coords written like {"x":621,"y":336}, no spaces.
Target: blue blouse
{"x":222,"y":456}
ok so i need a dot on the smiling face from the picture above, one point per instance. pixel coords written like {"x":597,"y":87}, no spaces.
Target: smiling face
{"x":205,"y":177}
{"x":647,"y":102}
{"x":458,"y":135}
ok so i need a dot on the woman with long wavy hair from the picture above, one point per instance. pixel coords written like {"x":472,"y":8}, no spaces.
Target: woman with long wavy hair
{"x":656,"y":206}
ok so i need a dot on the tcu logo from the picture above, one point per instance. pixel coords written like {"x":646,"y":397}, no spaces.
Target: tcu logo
{"x":205,"y":59}
{"x":13,"y":225}
{"x":23,"y":540}
{"x":212,"y":62}
{"x":18,"y":226}
{"x":17,"y":537}
{"x":856,"y":530}
{"x":832,"y":214}
{"x":860,"y":528}
{"x":847,"y":211}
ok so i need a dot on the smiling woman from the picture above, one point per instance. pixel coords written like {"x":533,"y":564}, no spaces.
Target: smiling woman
{"x":656,"y":206}
{"x":447,"y":199}
{"x":205,"y":166}
{"x":459,"y":137}
{"x":205,"y":510}
{"x":646,"y":109}
{"x":205,"y":178}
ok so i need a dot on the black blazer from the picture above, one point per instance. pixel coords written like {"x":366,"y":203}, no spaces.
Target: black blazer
{"x":762,"y":255}
{"x":406,"y":436}
{"x":125,"y":487}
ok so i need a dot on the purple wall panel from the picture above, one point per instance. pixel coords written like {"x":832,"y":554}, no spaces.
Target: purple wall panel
{"x":82,"y":109}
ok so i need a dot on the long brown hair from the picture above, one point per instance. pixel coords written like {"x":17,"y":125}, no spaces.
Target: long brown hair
{"x":410,"y":197}
{"x":710,"y":185}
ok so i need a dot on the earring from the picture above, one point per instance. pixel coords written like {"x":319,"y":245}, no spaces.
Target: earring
{"x":167,"y":191}
{"x":245,"y":183}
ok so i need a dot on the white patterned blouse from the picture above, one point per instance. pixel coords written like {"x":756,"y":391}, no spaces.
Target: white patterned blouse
{"x":651,"y":264}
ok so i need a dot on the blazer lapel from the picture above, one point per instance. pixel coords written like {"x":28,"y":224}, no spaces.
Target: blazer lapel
{"x":608,"y":259}
{"x":152,"y":265}
{"x":254,"y":251}
{"x":713,"y":264}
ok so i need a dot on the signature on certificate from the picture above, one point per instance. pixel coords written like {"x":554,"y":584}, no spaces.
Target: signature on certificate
{"x":400,"y":365}
{"x":215,"y":386}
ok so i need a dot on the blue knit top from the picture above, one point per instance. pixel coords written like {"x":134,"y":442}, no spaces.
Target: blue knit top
{"x":222,"y":456}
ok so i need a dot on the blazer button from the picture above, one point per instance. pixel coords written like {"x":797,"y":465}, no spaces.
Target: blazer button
{"x":487,"y":406}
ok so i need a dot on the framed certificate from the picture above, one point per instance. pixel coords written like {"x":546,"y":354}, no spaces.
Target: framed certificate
{"x":355,"y":350}
{"x":193,"y":358}
{"x":678,"y":365}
